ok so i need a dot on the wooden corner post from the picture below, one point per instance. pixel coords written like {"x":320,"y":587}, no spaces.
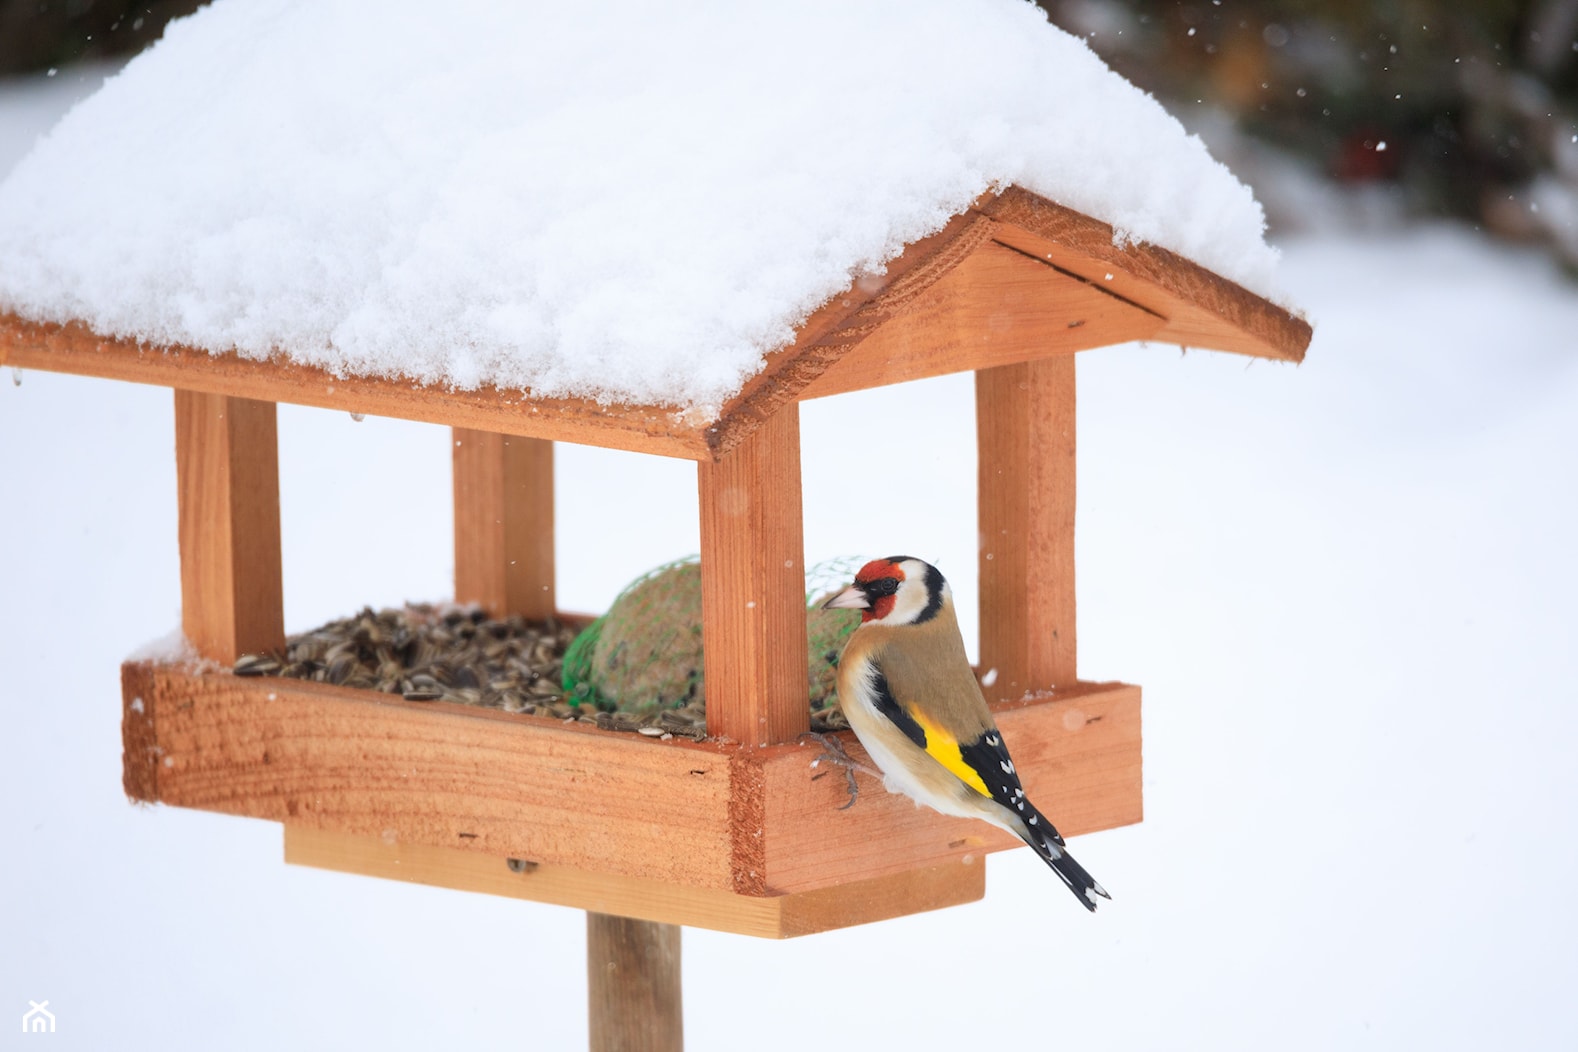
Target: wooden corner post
{"x":227,"y":484}
{"x":1025,"y":437}
{"x":753,"y":587}
{"x":504,"y":523}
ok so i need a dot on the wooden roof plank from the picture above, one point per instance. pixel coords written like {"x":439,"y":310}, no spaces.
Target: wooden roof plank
{"x":964,"y":298}
{"x":997,"y":307}
{"x":76,"y":349}
{"x":1203,"y":309}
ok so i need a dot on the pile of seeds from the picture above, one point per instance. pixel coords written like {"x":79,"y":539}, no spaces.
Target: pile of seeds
{"x":425,"y":652}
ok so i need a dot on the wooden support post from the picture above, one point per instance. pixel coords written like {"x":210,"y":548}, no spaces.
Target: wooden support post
{"x":227,"y":483}
{"x":633,"y":980}
{"x":1025,"y":436}
{"x":753,"y":587}
{"x":504,"y":523}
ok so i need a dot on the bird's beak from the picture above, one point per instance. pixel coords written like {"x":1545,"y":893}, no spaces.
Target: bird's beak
{"x":851,"y":598}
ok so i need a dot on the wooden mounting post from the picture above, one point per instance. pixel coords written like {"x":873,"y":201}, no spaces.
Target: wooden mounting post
{"x":227,"y":484}
{"x":1025,"y":435}
{"x":504,"y":523}
{"x":633,"y":980}
{"x":753,"y":587}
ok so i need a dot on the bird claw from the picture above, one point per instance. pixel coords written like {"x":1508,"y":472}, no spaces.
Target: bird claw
{"x":833,"y":752}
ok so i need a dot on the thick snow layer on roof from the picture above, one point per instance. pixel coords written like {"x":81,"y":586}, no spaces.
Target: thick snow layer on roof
{"x":620,"y":200}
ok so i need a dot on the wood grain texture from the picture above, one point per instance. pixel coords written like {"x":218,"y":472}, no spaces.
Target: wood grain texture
{"x":74,"y":348}
{"x":1025,"y":441}
{"x":753,"y":587}
{"x":633,"y":985}
{"x":142,"y":756}
{"x":227,"y":480}
{"x":504,"y":541}
{"x":1203,"y":309}
{"x":703,"y":815}
{"x":997,"y":306}
{"x":373,"y":765}
{"x":1198,"y":308}
{"x":950,"y":883}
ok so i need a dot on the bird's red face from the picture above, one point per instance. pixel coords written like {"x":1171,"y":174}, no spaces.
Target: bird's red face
{"x":895,"y":591}
{"x":879,"y":581}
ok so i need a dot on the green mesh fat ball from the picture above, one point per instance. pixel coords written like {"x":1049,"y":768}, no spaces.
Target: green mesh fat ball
{"x":576,"y":671}
{"x":646,"y":652}
{"x":826,"y":633}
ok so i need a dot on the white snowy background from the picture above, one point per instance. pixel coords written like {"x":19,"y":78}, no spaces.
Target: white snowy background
{"x":1349,"y":591}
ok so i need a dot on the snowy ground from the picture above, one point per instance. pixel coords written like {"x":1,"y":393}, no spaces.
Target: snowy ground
{"x":1349,"y":590}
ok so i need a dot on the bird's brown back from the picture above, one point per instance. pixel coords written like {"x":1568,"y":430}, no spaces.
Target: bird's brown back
{"x":931,"y":665}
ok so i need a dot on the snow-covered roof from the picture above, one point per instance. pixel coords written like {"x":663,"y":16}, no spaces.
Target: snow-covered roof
{"x":617,"y":201}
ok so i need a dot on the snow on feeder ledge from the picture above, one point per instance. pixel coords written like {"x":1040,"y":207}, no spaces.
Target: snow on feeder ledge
{"x":535,"y":229}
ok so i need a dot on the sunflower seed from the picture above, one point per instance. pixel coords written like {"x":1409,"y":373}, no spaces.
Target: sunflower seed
{"x":256,"y":665}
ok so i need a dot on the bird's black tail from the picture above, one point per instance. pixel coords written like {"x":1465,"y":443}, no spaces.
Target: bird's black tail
{"x":1045,"y":841}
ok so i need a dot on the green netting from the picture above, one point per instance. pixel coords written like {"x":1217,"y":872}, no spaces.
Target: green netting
{"x":645,"y":653}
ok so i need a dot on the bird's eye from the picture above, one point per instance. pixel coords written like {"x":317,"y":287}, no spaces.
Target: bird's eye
{"x":881,"y":588}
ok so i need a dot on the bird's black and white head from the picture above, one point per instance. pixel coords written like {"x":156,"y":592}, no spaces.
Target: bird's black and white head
{"x":895,"y":591}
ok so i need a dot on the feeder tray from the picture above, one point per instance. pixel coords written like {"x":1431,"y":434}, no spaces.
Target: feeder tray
{"x":733,"y":832}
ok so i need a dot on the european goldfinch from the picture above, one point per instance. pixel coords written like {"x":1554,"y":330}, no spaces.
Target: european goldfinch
{"x":911,"y":698}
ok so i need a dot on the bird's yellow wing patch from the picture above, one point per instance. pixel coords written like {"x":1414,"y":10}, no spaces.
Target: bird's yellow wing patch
{"x":971,"y":763}
{"x":944,"y":748}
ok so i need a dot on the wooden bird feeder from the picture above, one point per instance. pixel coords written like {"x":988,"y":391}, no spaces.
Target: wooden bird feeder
{"x":729,"y":833}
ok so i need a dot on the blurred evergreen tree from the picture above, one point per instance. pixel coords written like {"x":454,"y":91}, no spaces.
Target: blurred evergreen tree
{"x":1470,"y":108}
{"x":36,"y":35}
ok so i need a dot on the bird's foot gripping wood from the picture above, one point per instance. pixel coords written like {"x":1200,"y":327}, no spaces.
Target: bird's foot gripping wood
{"x":833,"y":752}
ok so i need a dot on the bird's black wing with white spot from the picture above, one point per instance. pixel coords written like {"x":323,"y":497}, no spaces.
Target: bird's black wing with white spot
{"x":984,"y":765}
{"x":989,"y":759}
